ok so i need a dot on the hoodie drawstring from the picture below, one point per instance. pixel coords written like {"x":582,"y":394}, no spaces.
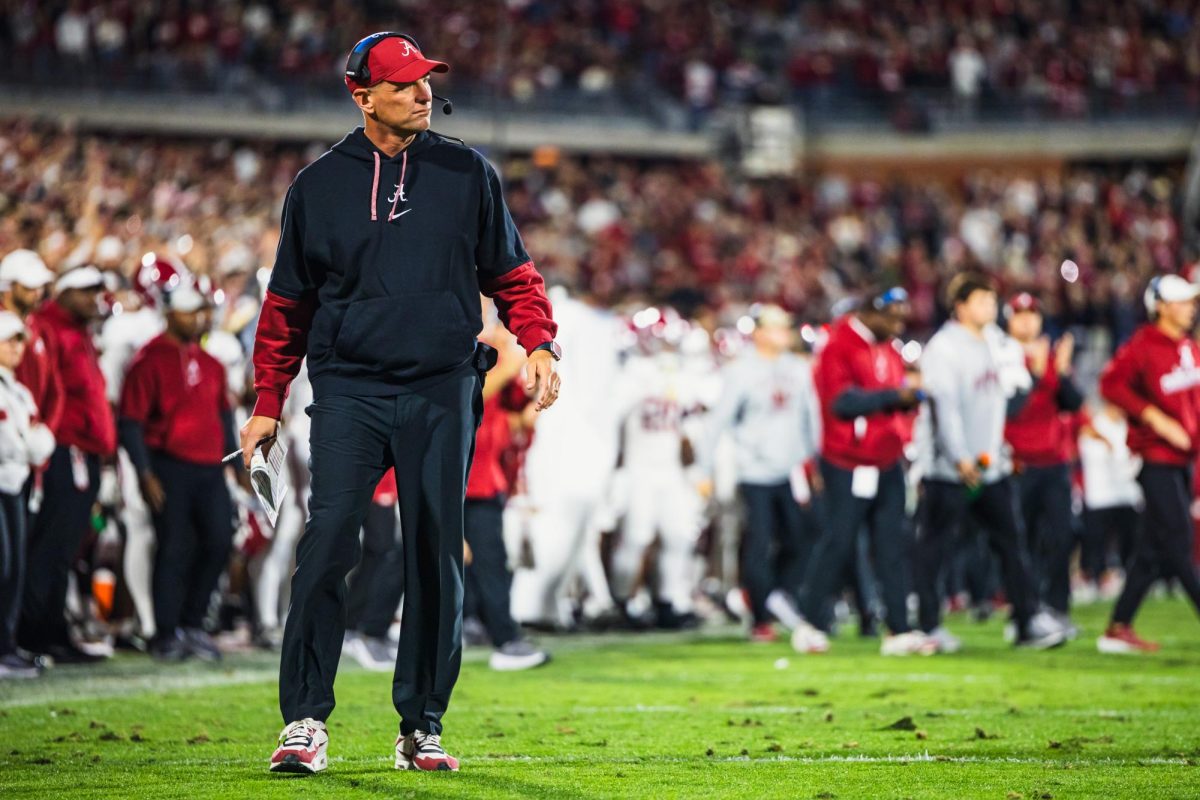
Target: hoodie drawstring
{"x":375,"y":189}
{"x":399,"y":186}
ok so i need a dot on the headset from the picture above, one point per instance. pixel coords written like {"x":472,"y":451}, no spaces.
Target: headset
{"x":1152,"y":296}
{"x":358,"y":71}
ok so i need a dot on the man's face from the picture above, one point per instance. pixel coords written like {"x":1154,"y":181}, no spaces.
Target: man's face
{"x":22,"y":299}
{"x":1180,"y":313}
{"x":773,"y":337}
{"x":979,"y":309}
{"x":83,"y":303}
{"x":11,"y":351}
{"x":889,"y":322}
{"x":188,"y":325}
{"x":1025,"y":326}
{"x":403,"y":107}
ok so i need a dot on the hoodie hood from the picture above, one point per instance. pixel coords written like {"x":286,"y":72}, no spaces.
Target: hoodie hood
{"x":357,"y":146}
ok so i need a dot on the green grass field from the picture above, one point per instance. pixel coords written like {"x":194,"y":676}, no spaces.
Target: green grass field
{"x":700,"y":715}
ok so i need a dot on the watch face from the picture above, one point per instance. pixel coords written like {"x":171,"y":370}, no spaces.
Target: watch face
{"x":556,"y":351}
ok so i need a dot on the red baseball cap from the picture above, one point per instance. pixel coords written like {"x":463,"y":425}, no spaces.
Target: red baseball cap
{"x":396,"y":59}
{"x":1024,"y":301}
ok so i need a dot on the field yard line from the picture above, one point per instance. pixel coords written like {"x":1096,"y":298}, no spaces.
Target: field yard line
{"x":102,"y":688}
{"x":1103,"y":714}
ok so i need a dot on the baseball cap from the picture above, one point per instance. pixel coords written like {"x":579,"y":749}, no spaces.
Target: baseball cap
{"x":10,"y":326}
{"x":80,"y":278}
{"x":396,"y":59}
{"x":1169,"y":289}
{"x":893,"y":296}
{"x":769,"y":315}
{"x":185,"y":299}
{"x":26,"y":268}
{"x":1024,"y":301}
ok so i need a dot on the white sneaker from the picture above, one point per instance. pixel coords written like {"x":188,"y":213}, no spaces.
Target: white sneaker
{"x":911,"y":643}
{"x":807,"y":639}
{"x":374,"y":654}
{"x":945,"y":641}
{"x":1042,"y":633}
{"x":517,"y":655}
{"x":783,"y":609}
{"x":423,"y":751}
{"x":301,"y":748}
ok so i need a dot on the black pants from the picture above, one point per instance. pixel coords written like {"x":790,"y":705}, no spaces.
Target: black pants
{"x":943,"y":509}
{"x":489,"y":583}
{"x":54,"y":539}
{"x":375,"y":588}
{"x":774,"y":545}
{"x":837,"y":548}
{"x":1164,"y":548}
{"x":12,"y":567}
{"x":1102,"y":528}
{"x":194,"y":534}
{"x":428,"y":435}
{"x":1045,"y":494}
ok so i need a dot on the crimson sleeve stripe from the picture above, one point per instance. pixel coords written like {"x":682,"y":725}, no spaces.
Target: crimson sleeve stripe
{"x":520,"y":297}
{"x":279,"y":347}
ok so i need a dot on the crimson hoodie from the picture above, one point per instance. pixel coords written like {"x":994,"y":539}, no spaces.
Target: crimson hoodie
{"x":87,"y":420}
{"x":858,"y":380}
{"x":379,"y":269}
{"x":38,"y":372}
{"x":1152,"y":369}
{"x":1041,"y":433}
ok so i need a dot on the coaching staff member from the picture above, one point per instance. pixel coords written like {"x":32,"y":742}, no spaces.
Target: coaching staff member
{"x":865,"y":405}
{"x":387,"y":241}
{"x":1155,"y":379}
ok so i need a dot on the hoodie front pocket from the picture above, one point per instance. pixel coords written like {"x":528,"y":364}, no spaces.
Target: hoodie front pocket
{"x":409,"y":335}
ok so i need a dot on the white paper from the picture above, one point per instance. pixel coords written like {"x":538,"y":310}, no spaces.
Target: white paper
{"x":267,"y":478}
{"x":864,"y":482}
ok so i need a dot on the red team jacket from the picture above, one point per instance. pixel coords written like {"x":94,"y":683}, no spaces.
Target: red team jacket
{"x":1041,"y":434}
{"x":86,"y":420}
{"x":178,"y":393}
{"x":1154,"y":369}
{"x":850,"y":361}
{"x":488,"y":477}
{"x":37,"y":372}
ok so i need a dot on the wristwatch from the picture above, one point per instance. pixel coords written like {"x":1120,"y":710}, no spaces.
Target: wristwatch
{"x":553,"y":347}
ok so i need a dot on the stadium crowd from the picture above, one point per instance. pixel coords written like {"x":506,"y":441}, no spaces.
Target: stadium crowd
{"x":679,"y":287}
{"x":1070,"y":58}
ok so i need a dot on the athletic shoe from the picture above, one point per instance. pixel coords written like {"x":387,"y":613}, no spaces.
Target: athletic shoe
{"x":473,"y":633}
{"x":200,"y":644}
{"x":1042,"y":633}
{"x":781,"y":606}
{"x":16,"y":666}
{"x":517,"y":655}
{"x":301,"y":748}
{"x":910,"y":643}
{"x":763,"y":634}
{"x":1120,"y":639}
{"x":807,"y":639}
{"x":99,"y":648}
{"x":171,"y":649}
{"x":423,"y":751}
{"x":371,"y":652}
{"x":944,"y":641}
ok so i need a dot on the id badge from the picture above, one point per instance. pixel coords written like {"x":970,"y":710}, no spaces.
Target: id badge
{"x":865,"y":482}
{"x":79,"y":469}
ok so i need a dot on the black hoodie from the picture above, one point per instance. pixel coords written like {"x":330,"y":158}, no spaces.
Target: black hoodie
{"x":379,"y":269}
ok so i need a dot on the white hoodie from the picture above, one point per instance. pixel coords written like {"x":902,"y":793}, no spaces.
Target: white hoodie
{"x":24,"y":443}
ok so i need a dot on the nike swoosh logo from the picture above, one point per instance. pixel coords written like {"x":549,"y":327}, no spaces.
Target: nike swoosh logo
{"x":401,"y":214}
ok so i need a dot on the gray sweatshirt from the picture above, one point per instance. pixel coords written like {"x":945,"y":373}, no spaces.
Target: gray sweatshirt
{"x":969,"y":381}
{"x":771,"y":408}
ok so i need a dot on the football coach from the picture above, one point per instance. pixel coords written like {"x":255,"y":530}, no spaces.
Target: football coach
{"x":387,"y":241}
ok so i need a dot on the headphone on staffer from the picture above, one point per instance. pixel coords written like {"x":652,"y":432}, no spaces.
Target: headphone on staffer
{"x":1152,"y":296}
{"x":358,"y":71}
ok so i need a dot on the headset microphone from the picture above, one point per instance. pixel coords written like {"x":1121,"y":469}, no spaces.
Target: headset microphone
{"x":447,"y":106}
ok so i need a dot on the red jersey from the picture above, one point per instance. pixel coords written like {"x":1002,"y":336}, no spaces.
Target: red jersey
{"x":36,"y":371}
{"x":853,"y":359}
{"x":1154,"y":369}
{"x":1041,"y":434}
{"x":177,"y":392}
{"x":488,"y":476}
{"x":86,"y":420}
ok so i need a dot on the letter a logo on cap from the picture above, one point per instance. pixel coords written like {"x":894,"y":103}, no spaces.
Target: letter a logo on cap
{"x":407,"y":47}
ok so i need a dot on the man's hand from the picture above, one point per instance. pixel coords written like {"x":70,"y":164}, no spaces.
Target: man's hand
{"x":1064,"y":353}
{"x":1167,"y":428}
{"x":1039,"y":355}
{"x":910,"y":397}
{"x":254,"y":431}
{"x":705,"y":488}
{"x":541,"y":380}
{"x":152,"y":491}
{"x":968,"y":470}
